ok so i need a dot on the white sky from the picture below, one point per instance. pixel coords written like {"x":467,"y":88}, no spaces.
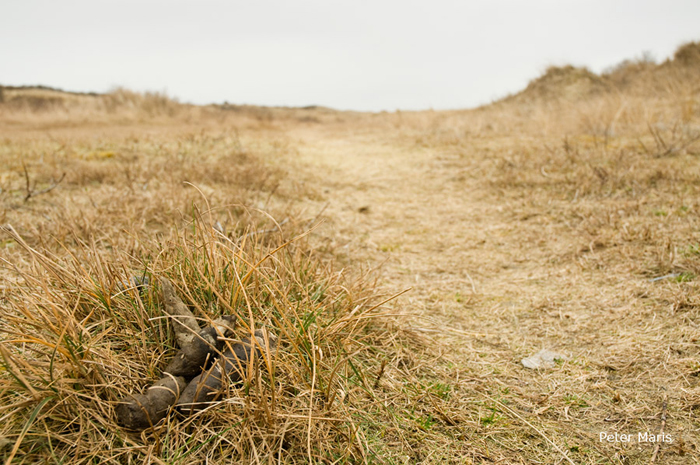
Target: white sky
{"x":362,"y":55}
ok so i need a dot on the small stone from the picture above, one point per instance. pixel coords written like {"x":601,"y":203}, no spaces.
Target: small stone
{"x":543,"y":359}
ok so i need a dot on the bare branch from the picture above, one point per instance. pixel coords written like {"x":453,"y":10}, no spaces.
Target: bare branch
{"x":30,"y":190}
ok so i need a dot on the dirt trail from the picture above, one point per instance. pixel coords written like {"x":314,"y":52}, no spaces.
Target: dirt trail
{"x":507,"y":275}
{"x":408,"y":210}
{"x":395,"y":208}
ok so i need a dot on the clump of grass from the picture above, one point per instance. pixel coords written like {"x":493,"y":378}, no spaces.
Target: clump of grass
{"x":74,"y":341}
{"x":150,"y":103}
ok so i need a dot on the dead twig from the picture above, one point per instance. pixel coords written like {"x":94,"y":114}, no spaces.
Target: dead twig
{"x":313,"y":220}
{"x":30,"y":189}
{"x":677,"y":142}
{"x":664,"y":406}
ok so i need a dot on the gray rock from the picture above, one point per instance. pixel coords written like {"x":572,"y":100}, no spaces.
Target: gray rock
{"x":543,"y":359}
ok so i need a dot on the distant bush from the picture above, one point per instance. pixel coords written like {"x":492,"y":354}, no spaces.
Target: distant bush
{"x":688,"y":54}
{"x":152,"y":103}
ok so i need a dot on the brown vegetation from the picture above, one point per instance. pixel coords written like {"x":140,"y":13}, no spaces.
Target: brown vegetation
{"x":564,"y":217}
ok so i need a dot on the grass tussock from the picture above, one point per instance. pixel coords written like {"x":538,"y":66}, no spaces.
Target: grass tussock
{"x":75,"y":342}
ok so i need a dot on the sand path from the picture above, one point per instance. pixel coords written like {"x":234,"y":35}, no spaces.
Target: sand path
{"x":508,"y":277}
{"x":430,"y":228}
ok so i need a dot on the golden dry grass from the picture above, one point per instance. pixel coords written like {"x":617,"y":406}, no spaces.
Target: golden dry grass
{"x":541,"y":221}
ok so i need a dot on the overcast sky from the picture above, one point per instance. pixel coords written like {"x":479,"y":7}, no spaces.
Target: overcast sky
{"x":362,"y":55}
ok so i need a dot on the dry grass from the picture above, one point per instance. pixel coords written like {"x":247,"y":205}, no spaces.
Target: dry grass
{"x":147,"y":199}
{"x":75,"y":344}
{"x":539,"y":221}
